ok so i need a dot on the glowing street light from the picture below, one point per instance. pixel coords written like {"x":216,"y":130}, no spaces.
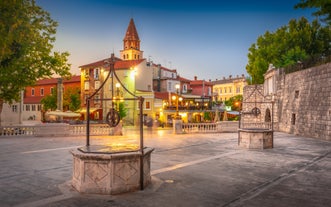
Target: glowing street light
{"x":177,"y":86}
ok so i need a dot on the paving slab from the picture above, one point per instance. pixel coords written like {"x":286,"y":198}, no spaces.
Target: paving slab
{"x":187,"y":170}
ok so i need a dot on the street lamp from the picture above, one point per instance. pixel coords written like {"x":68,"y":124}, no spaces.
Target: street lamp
{"x":177,"y":86}
{"x":117,"y":85}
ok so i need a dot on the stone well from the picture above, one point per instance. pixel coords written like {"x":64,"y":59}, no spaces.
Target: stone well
{"x":109,"y":173}
{"x":255,"y":138}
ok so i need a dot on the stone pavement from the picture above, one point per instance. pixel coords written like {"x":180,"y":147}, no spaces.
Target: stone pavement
{"x":187,"y":170}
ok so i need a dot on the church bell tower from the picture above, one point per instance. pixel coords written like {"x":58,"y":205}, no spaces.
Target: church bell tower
{"x":131,"y":44}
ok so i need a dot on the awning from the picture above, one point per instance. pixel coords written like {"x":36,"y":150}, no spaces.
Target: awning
{"x":83,"y":110}
{"x":63,"y":114}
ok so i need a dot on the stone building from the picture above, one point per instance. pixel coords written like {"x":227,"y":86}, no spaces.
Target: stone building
{"x":302,"y":101}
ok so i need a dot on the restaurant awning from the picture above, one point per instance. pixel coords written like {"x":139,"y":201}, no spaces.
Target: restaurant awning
{"x":83,"y":110}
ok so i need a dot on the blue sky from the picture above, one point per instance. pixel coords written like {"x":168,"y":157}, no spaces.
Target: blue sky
{"x":208,"y":39}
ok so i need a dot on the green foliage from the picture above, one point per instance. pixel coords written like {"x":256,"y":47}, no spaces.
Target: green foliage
{"x":122,"y":110}
{"x":323,"y":8}
{"x":49,"y":102}
{"x":235,"y":102}
{"x":288,"y":45}
{"x":206,"y":116}
{"x":27,"y":35}
{"x":71,"y":99}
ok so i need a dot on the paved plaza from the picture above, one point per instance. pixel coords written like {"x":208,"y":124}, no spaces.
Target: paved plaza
{"x":187,"y":170}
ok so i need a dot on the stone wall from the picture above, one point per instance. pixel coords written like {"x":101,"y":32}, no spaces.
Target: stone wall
{"x":305,"y":102}
{"x":302,"y":101}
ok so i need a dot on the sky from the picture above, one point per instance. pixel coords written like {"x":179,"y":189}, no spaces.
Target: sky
{"x":208,"y":39}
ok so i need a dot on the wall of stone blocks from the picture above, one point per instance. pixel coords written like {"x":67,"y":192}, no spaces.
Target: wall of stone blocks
{"x":302,"y":102}
{"x":305,"y":102}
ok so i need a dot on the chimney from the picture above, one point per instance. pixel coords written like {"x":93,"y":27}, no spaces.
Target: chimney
{"x":209,"y":80}
{"x":242,"y":75}
{"x":195,"y":77}
{"x":230,"y":76}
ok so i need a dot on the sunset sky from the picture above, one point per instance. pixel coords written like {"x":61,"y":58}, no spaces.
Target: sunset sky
{"x":208,"y":39}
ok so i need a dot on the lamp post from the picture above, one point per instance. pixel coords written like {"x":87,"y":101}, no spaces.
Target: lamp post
{"x":117,"y":85}
{"x":177,"y":86}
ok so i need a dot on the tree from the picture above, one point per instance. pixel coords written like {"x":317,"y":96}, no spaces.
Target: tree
{"x":289,"y":44}
{"x":27,"y":35}
{"x":235,"y":102}
{"x":323,"y":8}
{"x":122,"y":110}
{"x":49,"y":102}
{"x":71,"y":99}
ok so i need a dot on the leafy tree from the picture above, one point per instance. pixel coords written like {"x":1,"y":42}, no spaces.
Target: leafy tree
{"x":27,"y":35}
{"x":49,"y":102}
{"x":235,"y":102}
{"x":323,"y":8}
{"x":122,"y":110}
{"x":289,"y":44}
{"x":71,"y":99}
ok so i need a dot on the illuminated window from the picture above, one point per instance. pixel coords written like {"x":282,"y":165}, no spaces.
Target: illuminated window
{"x":86,"y":85}
{"x":147,"y":105}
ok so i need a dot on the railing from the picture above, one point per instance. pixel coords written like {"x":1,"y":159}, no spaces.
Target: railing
{"x":221,"y":126}
{"x":17,"y":131}
{"x":256,"y":125}
{"x":199,"y":127}
{"x":55,"y":130}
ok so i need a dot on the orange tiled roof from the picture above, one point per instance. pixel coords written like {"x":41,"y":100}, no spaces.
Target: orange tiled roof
{"x":161,"y":95}
{"x":200,"y":82}
{"x":48,"y":81}
{"x":32,"y":99}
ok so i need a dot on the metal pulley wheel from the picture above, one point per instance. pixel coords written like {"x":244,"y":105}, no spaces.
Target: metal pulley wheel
{"x":113,"y":118}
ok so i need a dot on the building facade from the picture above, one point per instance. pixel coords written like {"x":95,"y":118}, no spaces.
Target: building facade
{"x":226,"y":88}
{"x":29,"y":108}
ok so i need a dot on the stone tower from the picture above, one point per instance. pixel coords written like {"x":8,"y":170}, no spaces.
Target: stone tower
{"x":131,"y":44}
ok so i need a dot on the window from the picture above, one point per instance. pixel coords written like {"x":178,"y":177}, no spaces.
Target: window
{"x":184,"y":88}
{"x":296,"y":95}
{"x":149,"y":88}
{"x":86,"y":85}
{"x":33,"y":107}
{"x":97,"y":97}
{"x":169,"y":86}
{"x":230,"y":90}
{"x":148,"y":105}
{"x":27,"y":107}
{"x":14,"y":108}
{"x":96,"y":73}
{"x":52,"y":90}
{"x":32,"y":91}
{"x":87,"y":72}
{"x":220,"y":90}
{"x":224,"y":90}
{"x":238,"y":89}
{"x":39,"y":107}
{"x":42,"y":92}
{"x":96,"y":85}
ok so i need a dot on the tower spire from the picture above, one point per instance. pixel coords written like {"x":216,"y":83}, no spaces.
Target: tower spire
{"x":131,"y":43}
